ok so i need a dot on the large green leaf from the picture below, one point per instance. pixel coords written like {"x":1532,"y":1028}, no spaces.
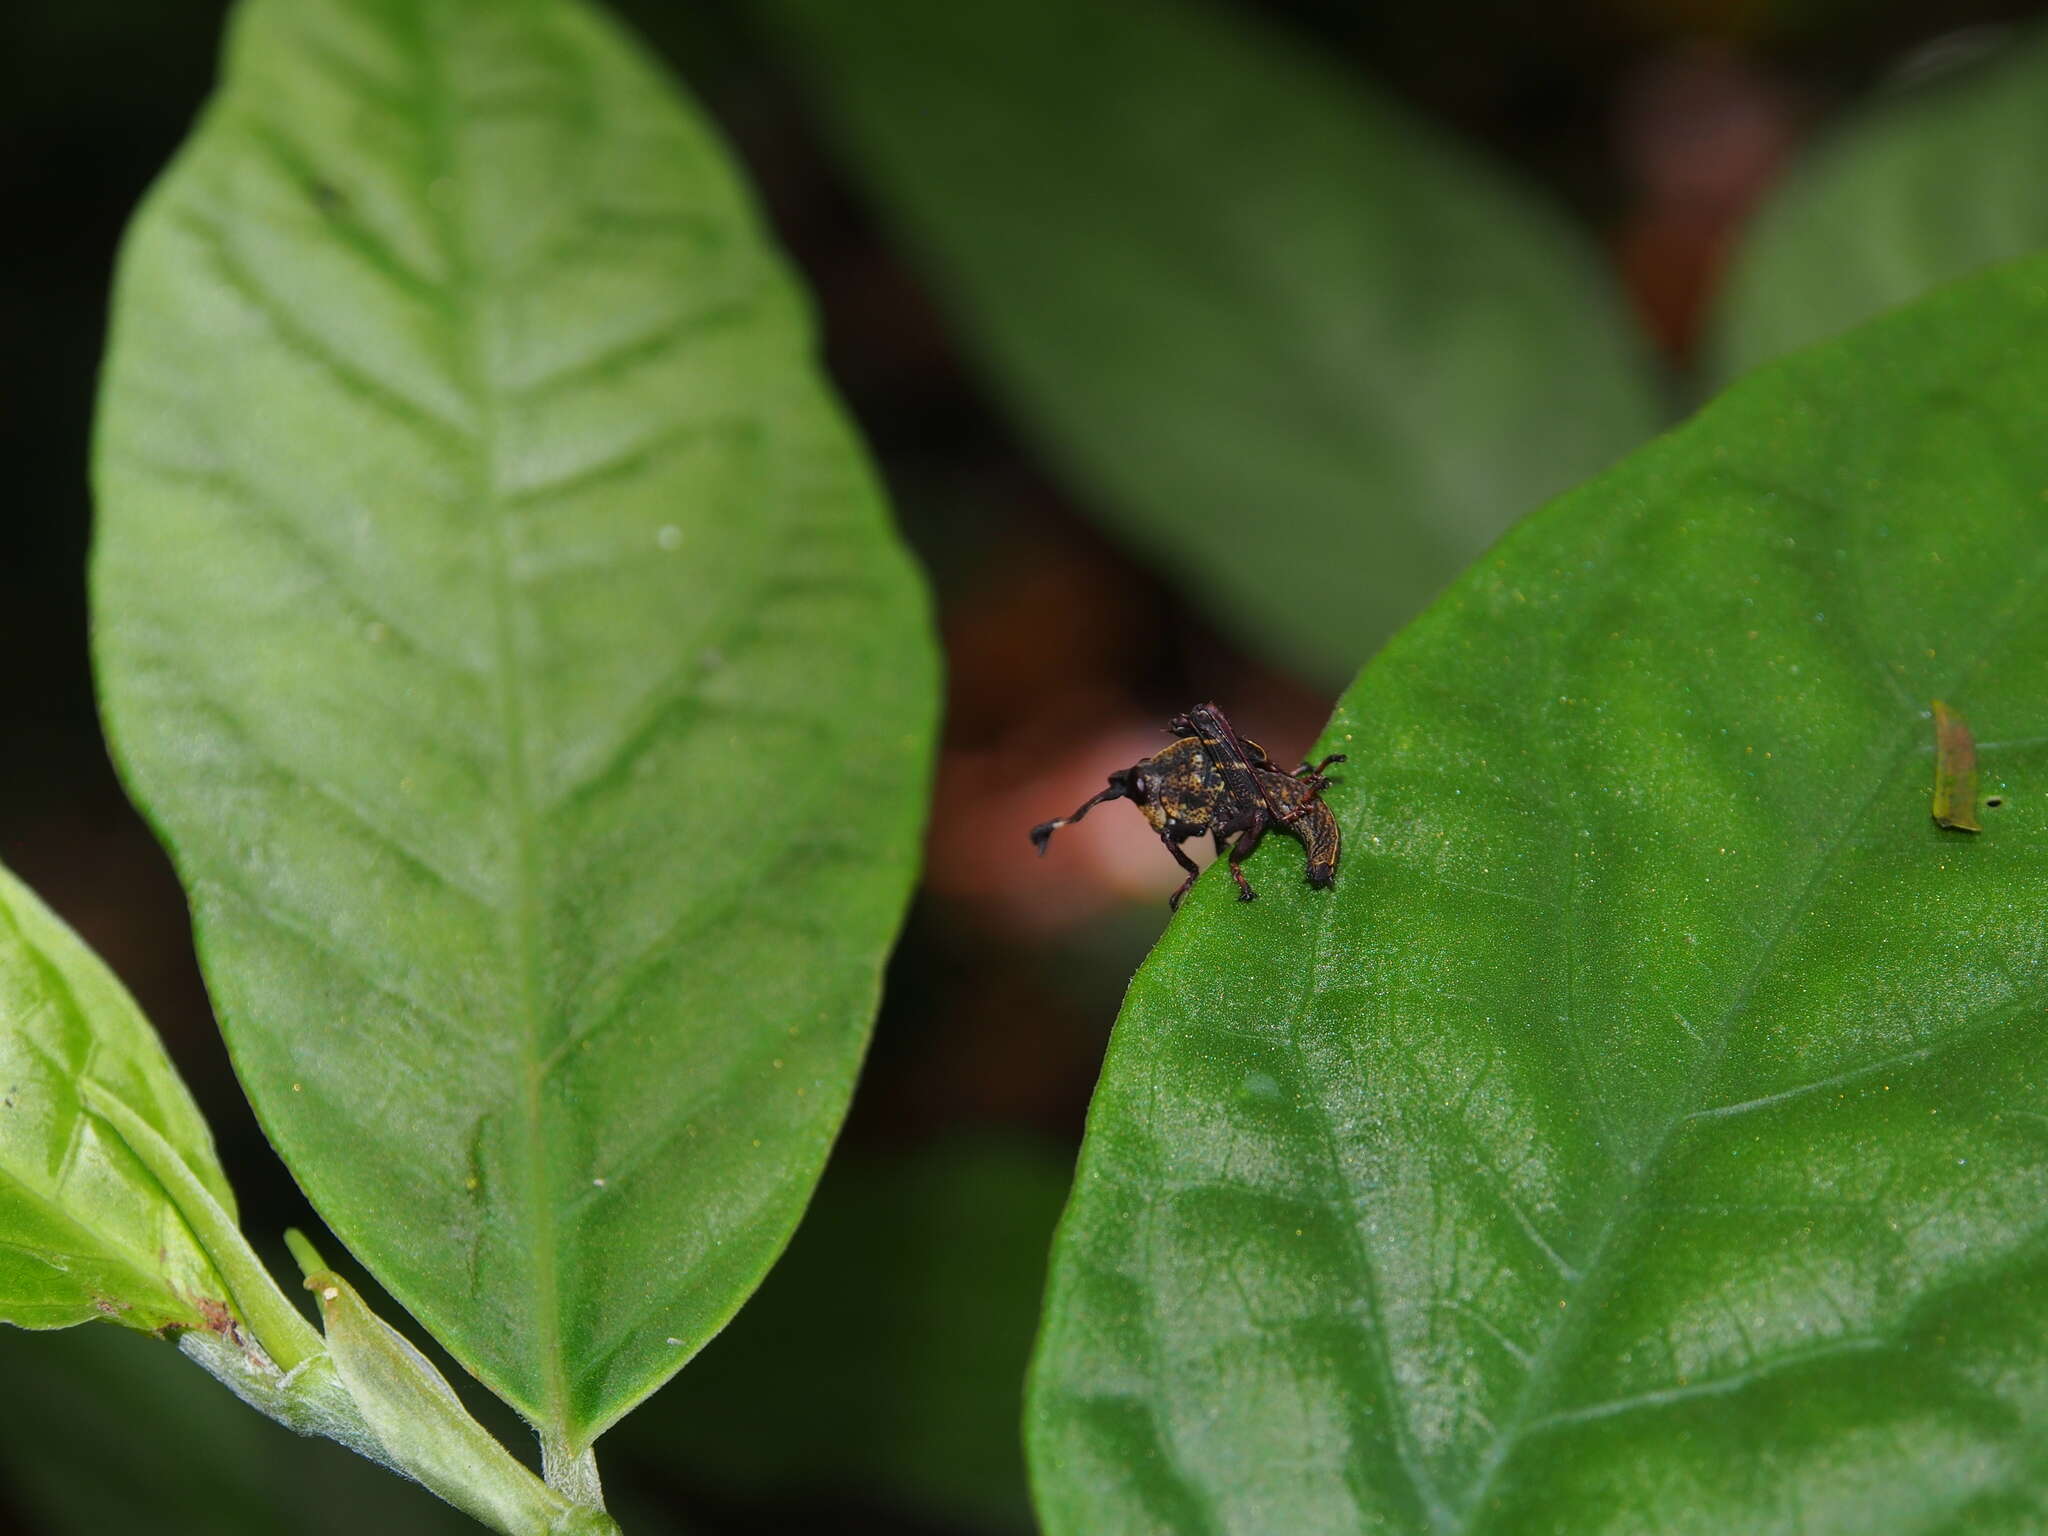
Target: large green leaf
{"x":503,"y":629}
{"x":1931,"y":181}
{"x":85,"y":1230}
{"x":1650,"y":1129}
{"x":1305,"y":353}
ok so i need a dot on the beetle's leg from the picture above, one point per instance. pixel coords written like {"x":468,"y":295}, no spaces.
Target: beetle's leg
{"x":1313,"y":777}
{"x":1222,"y":843}
{"x":1251,"y":826}
{"x":1042,"y":833}
{"x":1173,"y":847}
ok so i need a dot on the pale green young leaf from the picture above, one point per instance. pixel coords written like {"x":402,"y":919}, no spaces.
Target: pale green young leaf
{"x":85,"y":1230}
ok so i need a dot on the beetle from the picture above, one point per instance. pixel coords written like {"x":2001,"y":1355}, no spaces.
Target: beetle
{"x":1262,"y":797}
{"x":1213,"y":780}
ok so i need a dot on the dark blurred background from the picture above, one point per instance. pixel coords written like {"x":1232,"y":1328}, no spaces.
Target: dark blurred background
{"x":874,"y":1384}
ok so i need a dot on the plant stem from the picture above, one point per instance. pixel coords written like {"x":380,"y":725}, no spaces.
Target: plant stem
{"x":304,"y":1254}
{"x":279,"y":1327}
{"x":573,"y":1474}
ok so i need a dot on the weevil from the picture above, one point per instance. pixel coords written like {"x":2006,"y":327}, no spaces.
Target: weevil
{"x":1213,"y":780}
{"x":1262,"y":796}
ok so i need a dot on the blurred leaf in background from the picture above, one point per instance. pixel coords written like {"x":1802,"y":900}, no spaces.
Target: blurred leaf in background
{"x":103,"y":1432}
{"x":1298,"y":348}
{"x":1646,"y":1132}
{"x":1938,"y":175}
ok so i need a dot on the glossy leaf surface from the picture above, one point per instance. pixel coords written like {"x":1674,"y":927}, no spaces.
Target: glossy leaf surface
{"x":1649,"y":1131}
{"x":1929,"y":181}
{"x":85,"y":1231}
{"x":504,"y":631}
{"x":1299,"y":349}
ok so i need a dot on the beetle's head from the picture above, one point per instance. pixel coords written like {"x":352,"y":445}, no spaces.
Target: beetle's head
{"x":1149,"y":786}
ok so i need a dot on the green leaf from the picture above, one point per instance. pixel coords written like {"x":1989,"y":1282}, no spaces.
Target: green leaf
{"x":1931,"y":181}
{"x":86,"y":1231}
{"x":504,"y":631}
{"x":1296,"y":346}
{"x":1649,"y":1131}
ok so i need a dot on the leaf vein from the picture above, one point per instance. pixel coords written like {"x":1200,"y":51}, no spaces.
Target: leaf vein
{"x":1427,"y":1495}
{"x":346,"y":807}
{"x":1628,"y":1209}
{"x":1719,"y":1386}
{"x":648,"y":345}
{"x":335,"y":576}
{"x":625,"y":464}
{"x":353,"y":234}
{"x":271,"y":914}
{"x":391,"y":400}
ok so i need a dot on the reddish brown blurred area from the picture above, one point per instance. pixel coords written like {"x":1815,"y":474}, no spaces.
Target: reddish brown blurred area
{"x":1702,"y":130}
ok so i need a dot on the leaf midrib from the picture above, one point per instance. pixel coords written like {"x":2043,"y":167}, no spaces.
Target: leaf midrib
{"x":1532,"y":1403}
{"x":521,"y":913}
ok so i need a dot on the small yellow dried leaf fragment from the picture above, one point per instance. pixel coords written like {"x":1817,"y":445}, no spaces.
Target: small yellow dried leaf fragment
{"x":1955,"y":771}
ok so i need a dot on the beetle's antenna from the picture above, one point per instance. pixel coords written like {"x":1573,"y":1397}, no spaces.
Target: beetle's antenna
{"x":1042,"y":833}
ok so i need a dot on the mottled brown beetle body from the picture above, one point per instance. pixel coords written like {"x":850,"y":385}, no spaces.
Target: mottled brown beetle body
{"x":1176,"y":788}
{"x":1213,"y":780}
{"x":1304,"y":818}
